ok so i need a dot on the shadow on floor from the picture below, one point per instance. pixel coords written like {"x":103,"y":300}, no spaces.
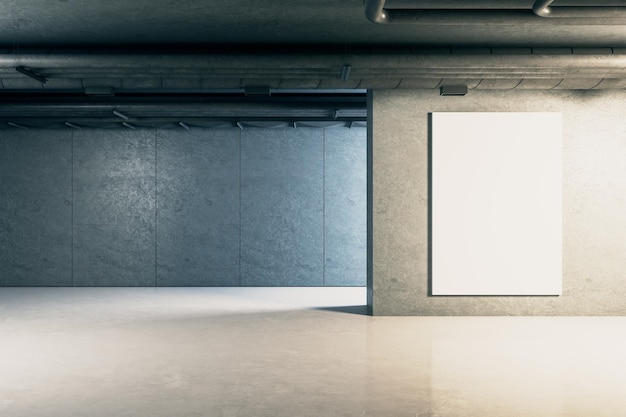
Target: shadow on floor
{"x":360,"y":310}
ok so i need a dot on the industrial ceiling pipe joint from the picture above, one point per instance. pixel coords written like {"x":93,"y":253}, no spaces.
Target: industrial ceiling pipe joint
{"x":544,"y":8}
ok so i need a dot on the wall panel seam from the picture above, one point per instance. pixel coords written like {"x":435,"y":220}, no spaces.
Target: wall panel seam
{"x":240,"y":225}
{"x":323,"y":207}
{"x":72,"y":207}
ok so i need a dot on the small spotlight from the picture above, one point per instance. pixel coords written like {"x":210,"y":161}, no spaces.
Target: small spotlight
{"x":121,"y":115}
{"x":69,"y":124}
{"x":183,"y":125}
{"x":128,"y":125}
{"x":19,"y":126}
{"x":453,"y":90}
{"x":32,"y":74}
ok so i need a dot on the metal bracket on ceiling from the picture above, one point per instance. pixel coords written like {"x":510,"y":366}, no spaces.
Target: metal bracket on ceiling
{"x":17,"y":125}
{"x":31,"y":73}
{"x":426,"y":12}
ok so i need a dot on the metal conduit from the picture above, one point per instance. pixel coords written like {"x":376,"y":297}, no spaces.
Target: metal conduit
{"x":544,"y":8}
{"x":486,"y":60}
{"x":376,"y":12}
{"x":487,"y":67}
{"x":561,"y":61}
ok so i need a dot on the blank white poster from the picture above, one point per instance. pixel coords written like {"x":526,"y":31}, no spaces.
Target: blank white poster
{"x":496,"y":203}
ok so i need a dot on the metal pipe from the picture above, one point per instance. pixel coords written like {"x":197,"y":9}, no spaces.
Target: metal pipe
{"x":317,"y":71}
{"x":149,"y":63}
{"x":376,"y":12}
{"x":544,"y":8}
{"x":300,"y":66}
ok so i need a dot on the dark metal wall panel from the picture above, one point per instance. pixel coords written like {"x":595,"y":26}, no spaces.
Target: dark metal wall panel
{"x":198,"y":207}
{"x":114,"y":208}
{"x":282,"y":207}
{"x":345,"y":192}
{"x":35,"y":208}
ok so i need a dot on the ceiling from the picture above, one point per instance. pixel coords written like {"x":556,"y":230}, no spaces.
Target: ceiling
{"x":167,"y":62}
{"x":95,"y":23}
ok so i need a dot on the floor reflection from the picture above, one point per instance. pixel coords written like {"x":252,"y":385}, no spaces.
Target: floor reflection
{"x":294,"y":352}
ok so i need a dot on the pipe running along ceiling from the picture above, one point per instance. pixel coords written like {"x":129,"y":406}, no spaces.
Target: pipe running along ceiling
{"x":74,"y":88}
{"x":511,"y":12}
{"x":406,"y":67}
{"x":209,"y":90}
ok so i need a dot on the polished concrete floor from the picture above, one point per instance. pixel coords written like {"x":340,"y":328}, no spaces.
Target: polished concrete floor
{"x":294,"y":352}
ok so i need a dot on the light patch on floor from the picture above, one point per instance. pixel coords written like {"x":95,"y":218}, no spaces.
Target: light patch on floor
{"x":230,"y":352}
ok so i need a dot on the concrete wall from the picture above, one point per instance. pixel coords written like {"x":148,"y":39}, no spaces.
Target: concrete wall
{"x":212,"y":207}
{"x":594,"y":203}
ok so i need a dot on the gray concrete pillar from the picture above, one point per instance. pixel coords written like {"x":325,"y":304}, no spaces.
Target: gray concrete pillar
{"x":398,"y":205}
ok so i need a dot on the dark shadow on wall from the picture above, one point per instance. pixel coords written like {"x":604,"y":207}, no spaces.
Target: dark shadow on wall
{"x":430,"y":205}
{"x":370,"y":204}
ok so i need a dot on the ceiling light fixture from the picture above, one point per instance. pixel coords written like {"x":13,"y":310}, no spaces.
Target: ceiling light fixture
{"x":453,"y":90}
{"x":32,"y":74}
{"x":183,"y":125}
{"x":128,"y":125}
{"x":239,"y":125}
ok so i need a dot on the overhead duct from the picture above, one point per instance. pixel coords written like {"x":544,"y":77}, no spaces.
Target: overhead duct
{"x":482,"y":12}
{"x":478,"y":68}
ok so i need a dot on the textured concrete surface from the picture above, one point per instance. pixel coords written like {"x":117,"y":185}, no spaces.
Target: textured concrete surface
{"x":114,"y":208}
{"x":282,"y":211}
{"x":400,"y":196}
{"x":594,"y":183}
{"x":198,"y":208}
{"x":164,"y":207}
{"x":35,"y":208}
{"x":345,"y":216}
{"x":284,"y":352}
